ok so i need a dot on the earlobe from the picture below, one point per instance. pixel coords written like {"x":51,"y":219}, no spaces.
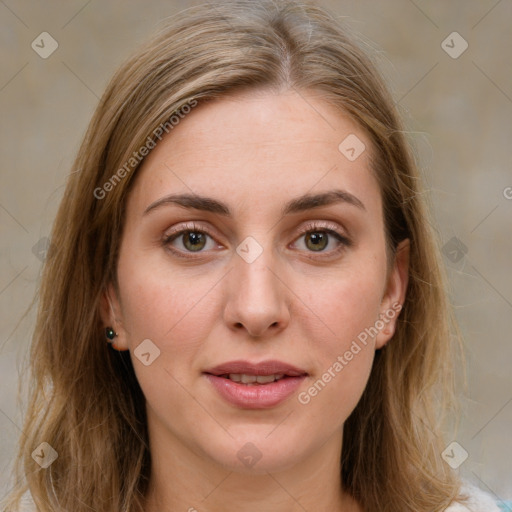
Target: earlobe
{"x":111,"y":317}
{"x":395,"y":293}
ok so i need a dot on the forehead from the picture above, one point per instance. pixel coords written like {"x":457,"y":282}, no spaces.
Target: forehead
{"x":258,"y":148}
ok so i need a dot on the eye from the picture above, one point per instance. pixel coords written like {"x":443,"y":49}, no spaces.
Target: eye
{"x":315,"y":238}
{"x":322,"y":238}
{"x":190,"y":239}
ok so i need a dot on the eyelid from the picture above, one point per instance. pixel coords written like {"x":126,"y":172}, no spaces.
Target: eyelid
{"x":187,"y":226}
{"x":328,"y":226}
{"x":311,"y":226}
{"x":333,"y":230}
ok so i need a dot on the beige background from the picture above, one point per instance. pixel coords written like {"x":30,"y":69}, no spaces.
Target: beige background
{"x":459,"y":115}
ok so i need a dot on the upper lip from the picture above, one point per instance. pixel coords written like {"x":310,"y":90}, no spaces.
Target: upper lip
{"x":269,"y":367}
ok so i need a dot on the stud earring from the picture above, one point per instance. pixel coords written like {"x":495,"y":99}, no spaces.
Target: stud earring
{"x":110,"y":334}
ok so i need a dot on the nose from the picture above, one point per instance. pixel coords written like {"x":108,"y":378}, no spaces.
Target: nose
{"x":257,"y":297}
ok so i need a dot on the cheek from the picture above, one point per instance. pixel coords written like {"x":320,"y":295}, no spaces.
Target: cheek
{"x":177,"y":317}
{"x":341,"y":315}
{"x":174,"y":309}
{"x":343,"y":304}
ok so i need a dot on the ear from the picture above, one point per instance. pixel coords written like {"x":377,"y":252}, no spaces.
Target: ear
{"x":110,"y":313}
{"x":394,"y":295}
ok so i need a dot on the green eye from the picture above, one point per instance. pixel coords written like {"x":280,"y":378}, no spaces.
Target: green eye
{"x":316,"y":240}
{"x":313,"y":239}
{"x":194,"y":240}
{"x":322,"y":240}
{"x":189,"y":240}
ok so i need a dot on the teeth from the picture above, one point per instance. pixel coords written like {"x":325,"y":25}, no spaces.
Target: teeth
{"x":251,"y":379}
{"x":264,"y":379}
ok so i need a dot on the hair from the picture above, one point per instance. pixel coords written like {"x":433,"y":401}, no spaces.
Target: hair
{"x":84,"y":398}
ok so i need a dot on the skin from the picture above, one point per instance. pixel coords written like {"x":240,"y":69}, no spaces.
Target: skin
{"x":253,"y":151}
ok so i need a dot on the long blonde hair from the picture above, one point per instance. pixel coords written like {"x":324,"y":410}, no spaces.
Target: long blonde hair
{"x":85,"y":400}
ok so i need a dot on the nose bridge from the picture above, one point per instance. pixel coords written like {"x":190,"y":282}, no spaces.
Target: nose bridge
{"x":257,"y":298}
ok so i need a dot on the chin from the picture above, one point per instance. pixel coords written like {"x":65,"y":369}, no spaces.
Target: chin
{"x":257,"y":452}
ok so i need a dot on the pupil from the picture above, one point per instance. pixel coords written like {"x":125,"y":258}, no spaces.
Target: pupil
{"x":317,"y":241}
{"x":194,"y":240}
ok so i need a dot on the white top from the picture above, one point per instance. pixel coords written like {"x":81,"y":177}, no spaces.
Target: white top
{"x":479,"y":502}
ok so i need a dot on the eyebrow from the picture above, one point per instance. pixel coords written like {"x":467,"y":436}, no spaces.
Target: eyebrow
{"x":297,"y":205}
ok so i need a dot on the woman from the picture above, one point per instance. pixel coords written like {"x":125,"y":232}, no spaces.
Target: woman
{"x":242,"y":308}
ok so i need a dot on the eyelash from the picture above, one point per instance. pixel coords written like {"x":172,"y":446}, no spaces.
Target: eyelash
{"x":310,"y":227}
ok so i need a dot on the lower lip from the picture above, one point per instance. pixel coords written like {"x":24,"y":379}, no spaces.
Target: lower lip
{"x":258,"y":396}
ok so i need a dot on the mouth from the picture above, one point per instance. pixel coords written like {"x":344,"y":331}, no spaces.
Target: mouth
{"x":255,"y":386}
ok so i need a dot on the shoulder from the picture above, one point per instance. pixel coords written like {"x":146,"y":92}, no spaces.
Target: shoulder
{"x":27,"y":503}
{"x":478,"y":501}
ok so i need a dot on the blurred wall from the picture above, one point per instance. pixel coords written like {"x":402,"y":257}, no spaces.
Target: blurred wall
{"x":458,"y":106}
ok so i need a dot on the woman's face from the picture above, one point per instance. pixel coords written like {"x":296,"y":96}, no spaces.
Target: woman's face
{"x":254,"y":246}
